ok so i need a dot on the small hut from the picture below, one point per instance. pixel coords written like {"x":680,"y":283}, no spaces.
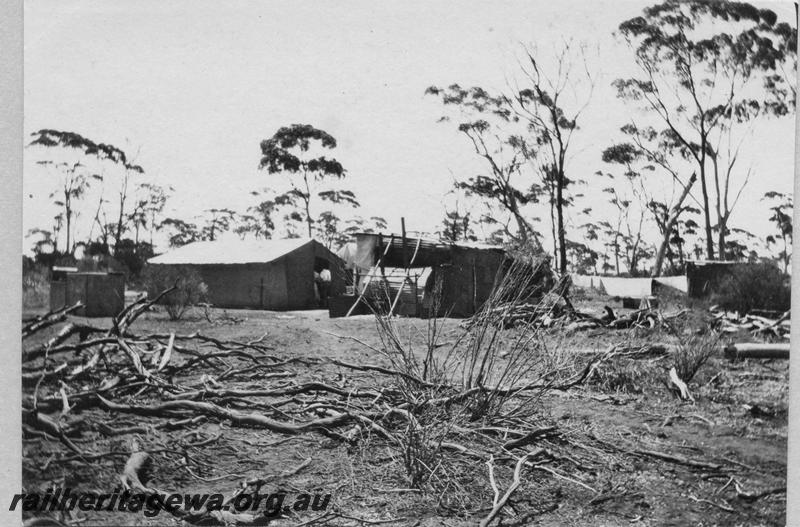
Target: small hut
{"x":705,"y":276}
{"x":401,"y":272}
{"x":101,"y":293}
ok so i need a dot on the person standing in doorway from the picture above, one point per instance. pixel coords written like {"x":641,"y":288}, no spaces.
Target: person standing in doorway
{"x":324,"y":285}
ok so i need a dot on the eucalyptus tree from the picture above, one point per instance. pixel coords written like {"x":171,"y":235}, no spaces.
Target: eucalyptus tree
{"x":150,"y":200}
{"x":457,"y":226}
{"x":525,"y":136}
{"x":335,"y":232}
{"x":44,"y":240}
{"x":583,"y":259}
{"x":76,"y":182}
{"x":180,"y":232}
{"x":551,"y":101}
{"x":674,"y":229}
{"x":216,"y":221}
{"x":699,"y":64}
{"x":487,"y":121}
{"x":258,"y":220}
{"x":642,"y":162}
{"x":289,"y":151}
{"x":781,"y":217}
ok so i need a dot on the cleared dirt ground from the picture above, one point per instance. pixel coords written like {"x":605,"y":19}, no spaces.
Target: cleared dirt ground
{"x":733,"y":435}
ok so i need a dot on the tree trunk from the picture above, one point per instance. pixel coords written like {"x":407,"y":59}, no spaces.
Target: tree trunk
{"x":553,"y":227}
{"x":152,"y":228}
{"x":785,"y":255}
{"x":522,"y":228}
{"x":721,"y":218}
{"x":522,"y":225}
{"x":308,"y":220}
{"x":672,"y":219}
{"x":307,"y":201}
{"x":562,"y":247}
{"x":118,"y":235}
{"x":68,"y":214}
{"x":706,"y":208}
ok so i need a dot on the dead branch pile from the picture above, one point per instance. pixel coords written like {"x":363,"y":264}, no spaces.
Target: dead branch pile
{"x":436,"y":409}
{"x":442,"y":408}
{"x":555,"y":311}
{"x":759,"y":326}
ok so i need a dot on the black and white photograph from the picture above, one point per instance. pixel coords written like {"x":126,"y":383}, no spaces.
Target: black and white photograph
{"x":405,"y":263}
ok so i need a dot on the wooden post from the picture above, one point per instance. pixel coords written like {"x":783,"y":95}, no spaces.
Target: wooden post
{"x":403,"y":233}
{"x":397,"y":298}
{"x":368,"y":280}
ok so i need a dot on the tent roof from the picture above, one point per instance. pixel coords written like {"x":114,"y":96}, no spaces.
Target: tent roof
{"x":230,"y":251}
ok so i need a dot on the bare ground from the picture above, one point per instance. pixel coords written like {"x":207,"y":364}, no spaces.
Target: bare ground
{"x":624,"y":428}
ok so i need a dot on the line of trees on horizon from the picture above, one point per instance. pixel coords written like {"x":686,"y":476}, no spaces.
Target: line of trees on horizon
{"x":707,"y":73}
{"x":128,"y":210}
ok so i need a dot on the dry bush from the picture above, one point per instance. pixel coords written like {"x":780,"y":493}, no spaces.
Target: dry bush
{"x":637,"y":374}
{"x":35,"y":285}
{"x":472,"y":377}
{"x":190,"y":288}
{"x":692,"y":352}
{"x":631,"y":376}
{"x":753,"y":286}
{"x":484,"y":363}
{"x":629,"y":373}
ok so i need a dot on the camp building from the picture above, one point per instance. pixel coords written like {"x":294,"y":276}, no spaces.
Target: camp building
{"x":405,"y":270}
{"x":259,"y":274}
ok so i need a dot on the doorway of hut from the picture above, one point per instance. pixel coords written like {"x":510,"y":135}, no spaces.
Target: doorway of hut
{"x":322,"y":281}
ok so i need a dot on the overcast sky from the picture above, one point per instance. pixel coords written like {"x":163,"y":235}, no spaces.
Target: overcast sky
{"x":194,"y":86}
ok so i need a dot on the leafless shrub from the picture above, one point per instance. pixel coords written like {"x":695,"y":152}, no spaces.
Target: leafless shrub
{"x":636,"y":374}
{"x":625,"y":376}
{"x":35,"y":286}
{"x":190,"y":288}
{"x":484,"y":362}
{"x":471,"y":377}
{"x":692,"y":352}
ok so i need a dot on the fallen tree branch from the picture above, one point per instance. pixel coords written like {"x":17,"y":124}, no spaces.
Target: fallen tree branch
{"x":309,"y":387}
{"x":381,"y":369}
{"x":181,"y":407}
{"x":676,"y":381}
{"x":517,"y":481}
{"x":674,"y":458}
{"x":48,"y":319}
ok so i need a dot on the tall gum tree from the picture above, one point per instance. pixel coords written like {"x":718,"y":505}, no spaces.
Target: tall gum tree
{"x":77,"y":176}
{"x":494,"y":133}
{"x":704,"y":69}
{"x":550,"y":100}
{"x":288,"y":151}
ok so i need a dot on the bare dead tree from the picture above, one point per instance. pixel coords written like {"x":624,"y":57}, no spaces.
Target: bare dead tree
{"x":551,"y":100}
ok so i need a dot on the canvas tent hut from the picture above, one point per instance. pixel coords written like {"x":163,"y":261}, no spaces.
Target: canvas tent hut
{"x":259,"y":274}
